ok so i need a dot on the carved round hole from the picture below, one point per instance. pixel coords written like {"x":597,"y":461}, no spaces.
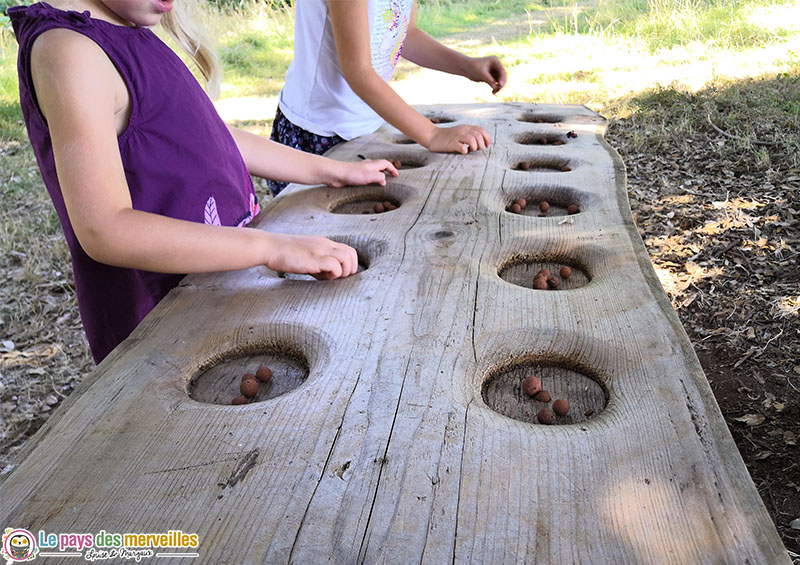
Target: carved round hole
{"x":521,"y":270}
{"x":219,"y":383}
{"x":560,"y":201}
{"x":439,"y":119}
{"x":363,"y":263}
{"x":543,"y":165}
{"x":579,"y":386}
{"x":366,"y":204}
{"x":366,"y":251}
{"x":539,"y":118}
{"x":542,"y":139}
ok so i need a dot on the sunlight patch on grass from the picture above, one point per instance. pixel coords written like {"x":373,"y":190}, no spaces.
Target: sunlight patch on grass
{"x":593,"y":70}
{"x":784,"y":17}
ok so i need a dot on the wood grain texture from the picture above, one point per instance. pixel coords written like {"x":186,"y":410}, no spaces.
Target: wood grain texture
{"x":402,"y":435}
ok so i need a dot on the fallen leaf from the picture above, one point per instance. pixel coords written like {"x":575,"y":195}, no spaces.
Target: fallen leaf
{"x":790,"y":438}
{"x":751,"y":419}
{"x":763,"y":455}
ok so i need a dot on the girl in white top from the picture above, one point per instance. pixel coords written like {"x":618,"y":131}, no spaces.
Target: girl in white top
{"x":337,"y":86}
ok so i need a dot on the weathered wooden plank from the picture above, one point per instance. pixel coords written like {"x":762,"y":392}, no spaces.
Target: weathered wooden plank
{"x":395,"y":429}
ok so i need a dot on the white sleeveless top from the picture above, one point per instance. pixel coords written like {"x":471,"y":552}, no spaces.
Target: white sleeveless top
{"x":316,"y":95}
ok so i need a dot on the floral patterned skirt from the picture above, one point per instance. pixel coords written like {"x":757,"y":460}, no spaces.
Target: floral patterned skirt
{"x":286,"y":133}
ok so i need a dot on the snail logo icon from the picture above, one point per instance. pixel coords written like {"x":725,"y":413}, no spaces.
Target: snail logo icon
{"x":18,"y":545}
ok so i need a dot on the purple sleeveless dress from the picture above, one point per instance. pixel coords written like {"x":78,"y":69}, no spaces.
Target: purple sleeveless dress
{"x":180,"y":161}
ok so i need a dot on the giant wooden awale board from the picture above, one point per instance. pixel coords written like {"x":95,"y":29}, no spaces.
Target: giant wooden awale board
{"x":397,"y":432}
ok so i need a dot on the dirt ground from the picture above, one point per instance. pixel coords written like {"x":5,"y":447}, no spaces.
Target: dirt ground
{"x":719,"y":220}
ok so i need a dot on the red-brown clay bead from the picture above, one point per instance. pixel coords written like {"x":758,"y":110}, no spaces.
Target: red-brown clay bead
{"x":565,"y":272}
{"x":264,"y":374}
{"x":522,"y":202}
{"x":249,"y":387}
{"x":388,"y":206}
{"x":524,"y":166}
{"x":544,"y":206}
{"x":565,"y":169}
{"x":531,"y":385}
{"x":540,"y":283}
{"x":516,"y":208}
{"x":239,"y":400}
{"x":542,"y":396}
{"x":543,"y":141}
{"x":553,"y":282}
{"x":545,"y":273}
{"x":397,"y":164}
{"x":573,"y":209}
{"x":545,"y":416}
{"x":561,"y":407}
{"x":378,"y":208}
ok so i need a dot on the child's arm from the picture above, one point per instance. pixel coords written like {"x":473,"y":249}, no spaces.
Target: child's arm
{"x":351,"y":34}
{"x":85,"y":111}
{"x":265,"y":158}
{"x":423,"y":50}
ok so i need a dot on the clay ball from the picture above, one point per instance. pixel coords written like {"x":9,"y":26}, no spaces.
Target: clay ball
{"x":542,"y":396}
{"x":543,"y":141}
{"x":545,"y":416}
{"x":522,"y":202}
{"x":544,"y":273}
{"x":524,"y":166}
{"x":249,"y":387}
{"x":565,"y":272}
{"x":531,"y":385}
{"x":239,"y":400}
{"x":544,"y":206}
{"x":516,"y":208}
{"x":540,"y":283}
{"x":573,"y":209}
{"x":264,"y":374}
{"x":565,"y":169}
{"x":378,"y":208}
{"x":553,"y":282}
{"x":561,"y":407}
{"x":388,"y":206}
{"x":397,"y":164}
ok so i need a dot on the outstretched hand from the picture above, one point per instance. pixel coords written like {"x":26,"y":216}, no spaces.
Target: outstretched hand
{"x":489,"y":70}
{"x":311,"y":255}
{"x":459,"y":139}
{"x":362,"y":172}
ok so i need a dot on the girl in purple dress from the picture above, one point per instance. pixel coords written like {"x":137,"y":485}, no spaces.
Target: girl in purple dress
{"x":148,"y":182}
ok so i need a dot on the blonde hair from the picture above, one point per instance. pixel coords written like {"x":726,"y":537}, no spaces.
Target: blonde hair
{"x":181,"y":26}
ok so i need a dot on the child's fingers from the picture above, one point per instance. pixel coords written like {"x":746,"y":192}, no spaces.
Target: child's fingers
{"x":478,"y":139}
{"x":330,"y":268}
{"x":388,"y":167}
{"x":347,"y":258}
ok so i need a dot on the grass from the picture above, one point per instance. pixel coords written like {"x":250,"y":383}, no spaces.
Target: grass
{"x":441,"y":18}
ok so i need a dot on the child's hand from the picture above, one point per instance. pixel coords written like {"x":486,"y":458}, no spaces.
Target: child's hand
{"x":459,"y":139}
{"x":311,"y":255}
{"x":489,"y":70}
{"x":361,"y":173}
